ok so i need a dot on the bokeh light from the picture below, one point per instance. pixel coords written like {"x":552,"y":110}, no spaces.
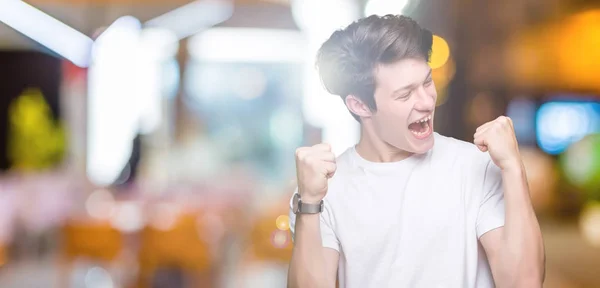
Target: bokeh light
{"x":98,"y":277}
{"x":283,"y":222}
{"x":589,"y":223}
{"x":164,"y":216}
{"x":280,"y":239}
{"x":181,"y":134}
{"x":581,"y":163}
{"x":440,"y":52}
{"x":127,"y":217}
{"x":576,"y":50}
{"x":100,"y":204}
{"x":441,"y":78}
{"x":559,"y":124}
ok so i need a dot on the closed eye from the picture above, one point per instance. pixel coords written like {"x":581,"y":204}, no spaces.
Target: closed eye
{"x":405,"y":96}
{"x":428,"y":82}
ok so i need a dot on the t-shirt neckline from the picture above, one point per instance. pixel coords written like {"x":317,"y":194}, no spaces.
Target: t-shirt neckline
{"x":363,"y":163}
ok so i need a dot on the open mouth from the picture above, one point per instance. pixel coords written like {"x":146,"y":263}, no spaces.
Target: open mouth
{"x":421,"y":128}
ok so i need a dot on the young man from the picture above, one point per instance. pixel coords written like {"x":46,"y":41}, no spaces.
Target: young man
{"x":407,"y":207}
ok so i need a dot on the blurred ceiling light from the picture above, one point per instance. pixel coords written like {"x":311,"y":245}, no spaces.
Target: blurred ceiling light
{"x":51,"y":33}
{"x":118,"y":29}
{"x":113,"y":117}
{"x":384,"y":7}
{"x":156,"y":48}
{"x":159,"y":43}
{"x":126,"y":81}
{"x":194,"y":17}
{"x":247,"y":45}
{"x":440,"y":52}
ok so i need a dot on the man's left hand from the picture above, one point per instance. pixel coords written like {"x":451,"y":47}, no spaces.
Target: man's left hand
{"x":498,"y":138}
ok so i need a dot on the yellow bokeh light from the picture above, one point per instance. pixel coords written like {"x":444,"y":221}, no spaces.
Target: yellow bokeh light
{"x":440,"y":52}
{"x":283,"y":222}
{"x":442,"y":77}
{"x":589,"y":223}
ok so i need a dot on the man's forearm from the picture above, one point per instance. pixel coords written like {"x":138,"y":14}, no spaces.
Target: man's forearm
{"x":523,"y":248}
{"x":307,"y":267}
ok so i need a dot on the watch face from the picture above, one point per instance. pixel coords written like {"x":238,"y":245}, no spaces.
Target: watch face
{"x":295,"y":203}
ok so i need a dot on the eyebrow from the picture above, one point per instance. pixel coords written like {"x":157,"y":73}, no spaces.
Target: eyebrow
{"x":411,"y":85}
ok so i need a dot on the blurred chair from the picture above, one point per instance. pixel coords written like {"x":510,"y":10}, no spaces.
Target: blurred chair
{"x":98,"y":242}
{"x":178,"y":248}
{"x":91,"y":240}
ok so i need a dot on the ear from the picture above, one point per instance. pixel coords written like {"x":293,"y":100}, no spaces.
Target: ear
{"x":358,"y":107}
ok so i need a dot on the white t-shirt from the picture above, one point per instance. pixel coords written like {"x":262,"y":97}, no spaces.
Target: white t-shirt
{"x":415,"y":222}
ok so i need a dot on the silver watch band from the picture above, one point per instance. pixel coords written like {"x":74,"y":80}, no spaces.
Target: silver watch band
{"x":306,"y":208}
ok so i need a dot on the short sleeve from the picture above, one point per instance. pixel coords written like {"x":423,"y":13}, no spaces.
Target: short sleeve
{"x":328,"y":237}
{"x":491,"y":208}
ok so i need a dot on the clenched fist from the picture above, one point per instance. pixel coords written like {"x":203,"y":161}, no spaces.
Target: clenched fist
{"x":314,"y":166}
{"x":498,"y":138}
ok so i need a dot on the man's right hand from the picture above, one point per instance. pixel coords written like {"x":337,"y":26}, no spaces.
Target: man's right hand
{"x":314,"y":166}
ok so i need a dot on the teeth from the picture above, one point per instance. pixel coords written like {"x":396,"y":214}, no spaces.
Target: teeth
{"x":421,"y":133}
{"x":424,"y":119}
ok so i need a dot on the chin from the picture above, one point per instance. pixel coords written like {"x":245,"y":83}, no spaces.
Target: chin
{"x":420,"y":144}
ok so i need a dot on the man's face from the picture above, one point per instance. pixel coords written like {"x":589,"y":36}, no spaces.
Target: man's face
{"x":405,"y":96}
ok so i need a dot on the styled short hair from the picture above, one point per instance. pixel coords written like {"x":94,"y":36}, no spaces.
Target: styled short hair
{"x":347,"y":60}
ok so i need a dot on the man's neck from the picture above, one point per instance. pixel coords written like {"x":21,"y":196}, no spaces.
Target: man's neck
{"x":373,"y":149}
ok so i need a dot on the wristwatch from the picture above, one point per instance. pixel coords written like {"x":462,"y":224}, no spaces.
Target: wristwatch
{"x":298,"y":207}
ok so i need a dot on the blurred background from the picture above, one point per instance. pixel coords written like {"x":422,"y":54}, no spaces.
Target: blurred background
{"x":149,"y":143}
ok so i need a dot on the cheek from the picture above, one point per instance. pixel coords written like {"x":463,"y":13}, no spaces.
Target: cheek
{"x":431,"y":91}
{"x":396,"y":112}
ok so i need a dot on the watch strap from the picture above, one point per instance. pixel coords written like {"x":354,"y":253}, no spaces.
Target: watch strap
{"x":305,"y":208}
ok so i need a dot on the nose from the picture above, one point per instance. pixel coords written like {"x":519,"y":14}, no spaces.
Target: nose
{"x":425,"y":101}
